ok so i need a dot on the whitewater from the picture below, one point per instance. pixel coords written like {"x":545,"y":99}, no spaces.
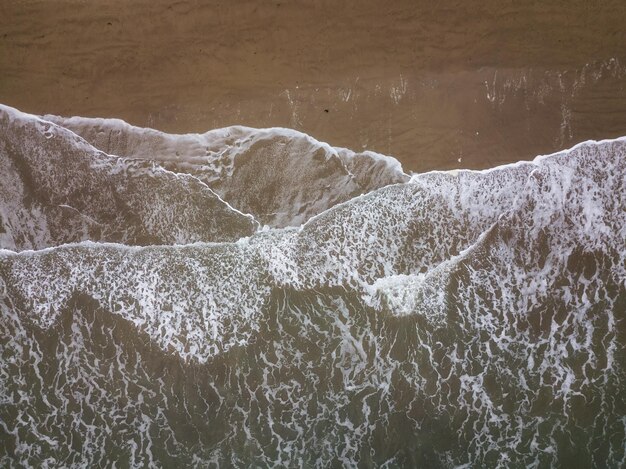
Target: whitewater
{"x":254,"y":297}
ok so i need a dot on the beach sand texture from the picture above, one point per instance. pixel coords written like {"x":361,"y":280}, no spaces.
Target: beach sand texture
{"x":435,"y":84}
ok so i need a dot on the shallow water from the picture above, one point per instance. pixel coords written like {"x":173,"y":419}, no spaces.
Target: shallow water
{"x":439,"y":320}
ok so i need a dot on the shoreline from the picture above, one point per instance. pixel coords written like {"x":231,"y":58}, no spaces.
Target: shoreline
{"x":429,"y":84}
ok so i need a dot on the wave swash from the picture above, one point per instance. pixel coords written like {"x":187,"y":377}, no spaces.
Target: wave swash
{"x":252,"y":297}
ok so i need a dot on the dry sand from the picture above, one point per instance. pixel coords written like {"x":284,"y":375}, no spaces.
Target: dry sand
{"x":436,"y":84}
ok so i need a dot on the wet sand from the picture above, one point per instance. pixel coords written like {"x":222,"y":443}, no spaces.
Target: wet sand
{"x":437,"y":86}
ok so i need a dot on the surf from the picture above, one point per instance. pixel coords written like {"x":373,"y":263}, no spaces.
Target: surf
{"x":479,"y":311}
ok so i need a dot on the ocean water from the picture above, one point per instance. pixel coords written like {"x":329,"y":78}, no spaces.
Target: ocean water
{"x":255,"y":298}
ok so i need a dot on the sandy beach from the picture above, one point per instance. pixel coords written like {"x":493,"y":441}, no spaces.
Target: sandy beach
{"x":435,"y":85}
{"x":249,"y":295}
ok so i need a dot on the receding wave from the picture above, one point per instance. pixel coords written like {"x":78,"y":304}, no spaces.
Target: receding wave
{"x":55,"y":188}
{"x":453,"y":318}
{"x":281,"y":176}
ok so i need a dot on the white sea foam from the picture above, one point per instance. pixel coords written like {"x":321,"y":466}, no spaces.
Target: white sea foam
{"x":479,"y":311}
{"x":398,"y":230}
{"x":56,"y":188}
{"x":281,"y":176}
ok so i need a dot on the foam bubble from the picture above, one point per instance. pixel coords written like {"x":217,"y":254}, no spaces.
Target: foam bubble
{"x":506,"y":290}
{"x":280,"y":176}
{"x":62,"y":190}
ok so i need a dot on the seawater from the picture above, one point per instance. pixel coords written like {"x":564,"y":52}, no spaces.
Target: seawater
{"x":446,"y":319}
